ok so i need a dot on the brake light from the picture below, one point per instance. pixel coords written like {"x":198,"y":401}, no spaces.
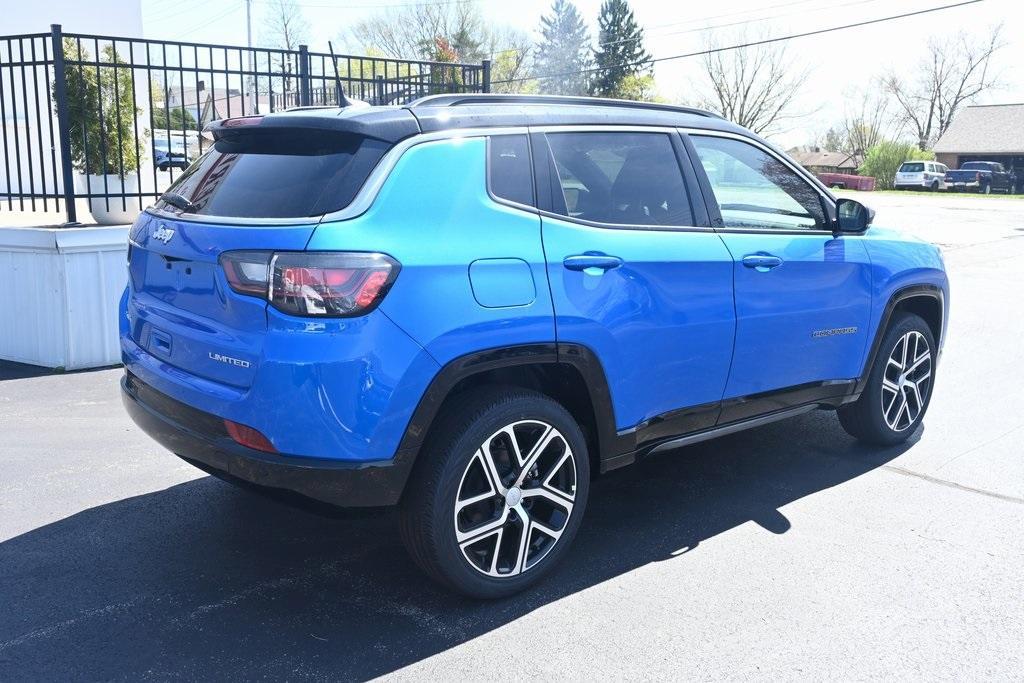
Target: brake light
{"x":323,"y":284}
{"x":249,"y":437}
{"x":242,"y":121}
{"x":977,"y":176}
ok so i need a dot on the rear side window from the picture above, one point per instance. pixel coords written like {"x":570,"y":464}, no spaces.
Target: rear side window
{"x":275,"y":174}
{"x":620,"y":178}
{"x":510,"y":174}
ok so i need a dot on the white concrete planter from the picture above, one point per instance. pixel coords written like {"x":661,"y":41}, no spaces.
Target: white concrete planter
{"x":115,"y":210}
{"x":59,"y":295}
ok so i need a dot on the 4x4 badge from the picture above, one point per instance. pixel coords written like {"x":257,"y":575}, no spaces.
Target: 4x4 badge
{"x":163,"y":233}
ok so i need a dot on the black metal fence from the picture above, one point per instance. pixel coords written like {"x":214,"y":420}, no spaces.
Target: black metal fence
{"x":114,"y":120}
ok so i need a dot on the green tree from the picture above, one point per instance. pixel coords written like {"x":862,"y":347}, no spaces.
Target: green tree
{"x":639,"y":87}
{"x":102,"y":115}
{"x":564,"y":49}
{"x":180,"y":119}
{"x":445,"y":78}
{"x":620,"y":51}
{"x":884,"y":159}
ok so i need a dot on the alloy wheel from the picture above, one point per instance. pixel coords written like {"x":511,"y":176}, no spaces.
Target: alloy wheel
{"x":906,"y":381}
{"x":515,"y":498}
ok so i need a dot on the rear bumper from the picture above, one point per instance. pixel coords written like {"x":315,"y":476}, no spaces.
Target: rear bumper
{"x":193,"y":435}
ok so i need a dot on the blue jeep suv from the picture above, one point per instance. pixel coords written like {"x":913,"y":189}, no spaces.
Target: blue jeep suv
{"x":471,"y":305}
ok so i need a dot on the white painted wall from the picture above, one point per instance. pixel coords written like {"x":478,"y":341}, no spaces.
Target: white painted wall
{"x":60,"y":295}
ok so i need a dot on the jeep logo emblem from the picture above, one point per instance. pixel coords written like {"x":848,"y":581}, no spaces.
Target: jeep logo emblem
{"x":163,"y":234}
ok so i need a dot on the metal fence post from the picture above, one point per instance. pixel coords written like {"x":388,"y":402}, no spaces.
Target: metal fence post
{"x":486,"y":85}
{"x":378,"y":90}
{"x":63,"y":122}
{"x":305,"y":96}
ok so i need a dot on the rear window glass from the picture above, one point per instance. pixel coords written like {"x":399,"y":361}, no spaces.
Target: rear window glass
{"x":279,"y":174}
{"x":911,"y":168}
{"x":509,"y":170}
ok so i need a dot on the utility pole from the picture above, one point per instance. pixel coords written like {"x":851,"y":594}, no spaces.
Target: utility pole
{"x":248,"y":77}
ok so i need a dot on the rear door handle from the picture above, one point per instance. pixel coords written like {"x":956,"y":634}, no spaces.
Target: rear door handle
{"x":763,"y":262}
{"x":590,"y":260}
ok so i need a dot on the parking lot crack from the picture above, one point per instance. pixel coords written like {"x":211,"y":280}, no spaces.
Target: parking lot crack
{"x":954,"y":485}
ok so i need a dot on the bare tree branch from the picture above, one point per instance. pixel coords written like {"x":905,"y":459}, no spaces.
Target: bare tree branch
{"x":755,"y":87}
{"x":956,"y":71}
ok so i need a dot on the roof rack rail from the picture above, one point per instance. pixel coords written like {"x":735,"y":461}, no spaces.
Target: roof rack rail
{"x":495,"y":98}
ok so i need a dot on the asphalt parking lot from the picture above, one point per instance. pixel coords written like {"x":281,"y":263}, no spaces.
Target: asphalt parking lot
{"x":788,"y":552}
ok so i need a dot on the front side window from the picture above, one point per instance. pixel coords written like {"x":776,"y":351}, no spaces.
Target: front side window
{"x":756,"y":190}
{"x":620,"y":178}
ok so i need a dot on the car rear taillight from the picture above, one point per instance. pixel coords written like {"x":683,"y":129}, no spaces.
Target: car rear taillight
{"x":323,"y":284}
{"x":247,"y":271}
{"x":977,"y":176}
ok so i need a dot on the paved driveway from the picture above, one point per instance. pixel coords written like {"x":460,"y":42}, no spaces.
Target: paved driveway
{"x":785,"y":552}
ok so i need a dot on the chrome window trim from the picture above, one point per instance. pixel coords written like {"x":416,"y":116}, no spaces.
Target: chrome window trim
{"x":368,"y":192}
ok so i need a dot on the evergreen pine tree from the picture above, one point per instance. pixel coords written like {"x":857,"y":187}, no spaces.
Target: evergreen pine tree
{"x":620,"y":51}
{"x":564,"y":49}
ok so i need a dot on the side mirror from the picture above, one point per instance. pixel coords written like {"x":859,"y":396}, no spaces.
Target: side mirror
{"x":852,"y":216}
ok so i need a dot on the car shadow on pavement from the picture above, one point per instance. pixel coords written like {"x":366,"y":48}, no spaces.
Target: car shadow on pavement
{"x":203,"y":580}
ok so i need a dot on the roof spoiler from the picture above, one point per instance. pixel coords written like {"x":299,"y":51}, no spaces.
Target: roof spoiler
{"x":387,"y":125}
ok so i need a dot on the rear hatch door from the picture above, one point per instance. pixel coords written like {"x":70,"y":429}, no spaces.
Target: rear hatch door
{"x":259,"y":188}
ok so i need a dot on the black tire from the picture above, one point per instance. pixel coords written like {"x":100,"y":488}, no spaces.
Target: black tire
{"x":986,"y":189}
{"x":866,"y":418}
{"x":451,"y":459}
{"x":935,"y":186}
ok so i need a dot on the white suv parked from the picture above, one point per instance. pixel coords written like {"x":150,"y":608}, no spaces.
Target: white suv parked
{"x":915,"y":175}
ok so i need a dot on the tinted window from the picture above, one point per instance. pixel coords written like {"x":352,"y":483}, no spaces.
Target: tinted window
{"x":509,"y":169}
{"x":277,"y":174}
{"x":756,"y":190}
{"x":621,"y":178}
{"x":912,"y":168}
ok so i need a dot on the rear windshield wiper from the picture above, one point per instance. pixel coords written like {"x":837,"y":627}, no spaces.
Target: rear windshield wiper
{"x":178,"y":200}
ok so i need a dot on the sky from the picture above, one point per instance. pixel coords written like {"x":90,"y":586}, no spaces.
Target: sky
{"x":842,"y":63}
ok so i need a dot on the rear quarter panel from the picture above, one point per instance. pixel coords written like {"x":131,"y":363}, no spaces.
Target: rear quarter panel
{"x":434,"y":215}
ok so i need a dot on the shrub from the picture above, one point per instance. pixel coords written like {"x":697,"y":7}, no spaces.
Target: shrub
{"x":101,"y":112}
{"x":181,"y":119}
{"x":884,"y":159}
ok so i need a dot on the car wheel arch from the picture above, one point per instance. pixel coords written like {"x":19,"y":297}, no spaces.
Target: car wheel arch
{"x":925,"y":300}
{"x":568,"y":373}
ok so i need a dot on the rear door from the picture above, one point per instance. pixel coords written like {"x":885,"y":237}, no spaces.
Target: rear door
{"x":803,"y":296}
{"x":637,"y":275}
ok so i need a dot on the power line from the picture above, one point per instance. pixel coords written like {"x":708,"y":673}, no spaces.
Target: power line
{"x":206,"y":22}
{"x":376,"y":5}
{"x":743,"y":45}
{"x":648,"y":31}
{"x":739,"y":23}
